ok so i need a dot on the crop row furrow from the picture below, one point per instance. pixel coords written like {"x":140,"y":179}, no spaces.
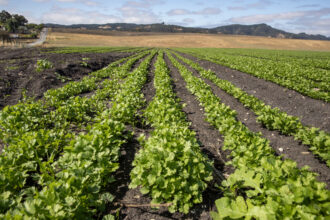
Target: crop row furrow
{"x":31,"y":115}
{"x":272,"y":118}
{"x":32,"y":150}
{"x":319,"y":68}
{"x":292,"y":77}
{"x":263,"y":185}
{"x":170,"y":165}
{"x":54,"y":97}
{"x":75,"y":185}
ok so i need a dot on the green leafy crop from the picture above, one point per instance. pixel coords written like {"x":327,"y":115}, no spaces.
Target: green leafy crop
{"x":43,"y":64}
{"x":272,"y":118}
{"x":263,"y":186}
{"x":170,"y":166}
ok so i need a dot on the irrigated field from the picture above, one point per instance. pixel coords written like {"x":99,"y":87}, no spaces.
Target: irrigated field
{"x":138,"y":133}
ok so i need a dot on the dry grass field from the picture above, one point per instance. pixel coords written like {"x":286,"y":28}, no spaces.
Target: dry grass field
{"x":17,"y":43}
{"x":57,"y":39}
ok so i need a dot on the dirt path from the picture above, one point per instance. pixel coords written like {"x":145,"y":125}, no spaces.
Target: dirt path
{"x":310,"y":111}
{"x":283,"y":145}
{"x":41,"y":40}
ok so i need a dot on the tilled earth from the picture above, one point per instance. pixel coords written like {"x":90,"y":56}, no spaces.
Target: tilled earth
{"x":282,"y":144}
{"x":131,"y":204}
{"x":18,"y":71}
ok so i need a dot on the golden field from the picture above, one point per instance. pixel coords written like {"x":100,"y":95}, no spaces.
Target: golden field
{"x":58,"y":39}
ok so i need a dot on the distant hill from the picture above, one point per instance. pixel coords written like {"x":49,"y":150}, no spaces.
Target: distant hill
{"x":264,"y":30}
{"x":235,"y":29}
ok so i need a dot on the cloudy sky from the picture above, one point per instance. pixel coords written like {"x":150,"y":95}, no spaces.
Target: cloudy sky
{"x":295,"y":16}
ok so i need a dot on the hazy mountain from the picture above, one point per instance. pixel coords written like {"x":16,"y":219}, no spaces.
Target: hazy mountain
{"x":264,"y":30}
{"x":236,"y":29}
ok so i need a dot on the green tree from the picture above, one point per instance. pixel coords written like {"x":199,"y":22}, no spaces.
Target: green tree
{"x":32,"y":26}
{"x":40,"y":27}
{"x":20,"y":20}
{"x":14,"y":22}
{"x":4,"y":16}
{"x":10,"y":25}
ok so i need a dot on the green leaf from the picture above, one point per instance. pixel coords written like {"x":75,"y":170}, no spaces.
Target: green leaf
{"x":144,"y":190}
{"x":30,"y":207}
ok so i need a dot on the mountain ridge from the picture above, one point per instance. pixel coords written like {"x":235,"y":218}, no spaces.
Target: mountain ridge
{"x":233,"y":29}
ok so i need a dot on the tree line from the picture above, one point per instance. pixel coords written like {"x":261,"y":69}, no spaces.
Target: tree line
{"x":15,"y":23}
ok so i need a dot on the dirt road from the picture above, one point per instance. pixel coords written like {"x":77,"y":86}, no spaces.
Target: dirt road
{"x":41,"y":40}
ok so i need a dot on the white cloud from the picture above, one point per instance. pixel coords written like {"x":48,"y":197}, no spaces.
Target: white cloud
{"x":143,"y":3}
{"x":205,"y":11}
{"x":136,"y":15}
{"x":89,"y":3}
{"x":174,"y":12}
{"x":41,"y":0}
{"x":262,"y":18}
{"x":311,"y":21}
{"x":3,"y":2}
{"x":77,"y":16}
{"x":237,"y":8}
{"x":208,"y":11}
{"x":131,"y":12}
{"x":188,"y":20}
{"x":308,"y":6}
{"x":261,"y":4}
{"x":85,"y":2}
{"x":139,"y":12}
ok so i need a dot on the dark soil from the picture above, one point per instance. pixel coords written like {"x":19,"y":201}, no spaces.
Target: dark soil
{"x":283,"y":145}
{"x":310,"y":111}
{"x":125,"y":197}
{"x":18,"y":71}
{"x":208,"y":136}
{"x":133,"y":67}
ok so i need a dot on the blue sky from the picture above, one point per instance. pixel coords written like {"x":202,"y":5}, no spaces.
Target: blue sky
{"x":296,"y":16}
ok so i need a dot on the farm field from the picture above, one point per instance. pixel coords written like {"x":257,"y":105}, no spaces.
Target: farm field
{"x":165,"y":40}
{"x":18,"y":69}
{"x":149,"y":133}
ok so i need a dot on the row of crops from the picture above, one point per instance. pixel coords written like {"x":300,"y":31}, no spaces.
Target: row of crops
{"x":50,"y":171}
{"x":61,"y":152}
{"x":259,"y":186}
{"x":272,"y":118}
{"x":291,"y":70}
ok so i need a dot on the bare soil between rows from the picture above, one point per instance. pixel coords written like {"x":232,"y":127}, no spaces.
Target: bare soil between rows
{"x":310,"y":111}
{"x":282,"y":144}
{"x":18,"y":71}
{"x":130,"y":203}
{"x":210,"y":139}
